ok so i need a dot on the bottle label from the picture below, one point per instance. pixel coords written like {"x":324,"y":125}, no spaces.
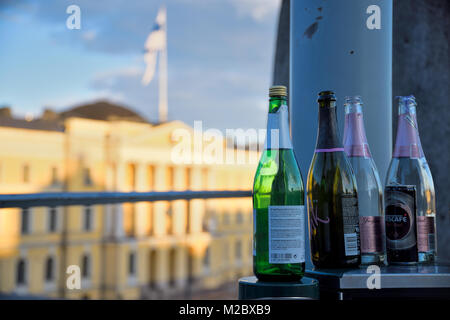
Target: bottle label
{"x":425,"y":234}
{"x":355,"y":141}
{"x":329,"y":150}
{"x":277,"y":136}
{"x":400,"y":218}
{"x":372,"y":234}
{"x":286,"y":234}
{"x":351,"y":225}
{"x":407,"y":143}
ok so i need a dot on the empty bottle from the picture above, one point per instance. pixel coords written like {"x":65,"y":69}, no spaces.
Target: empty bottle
{"x":409,"y":168}
{"x":370,"y":192}
{"x":332,"y":195}
{"x":278,"y":201}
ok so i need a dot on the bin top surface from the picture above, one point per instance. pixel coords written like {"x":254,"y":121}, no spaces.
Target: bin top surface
{"x":304,"y":289}
{"x":431,"y":276}
{"x":253,"y":281}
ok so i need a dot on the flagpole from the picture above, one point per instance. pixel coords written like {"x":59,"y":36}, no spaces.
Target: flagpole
{"x":163,"y":79}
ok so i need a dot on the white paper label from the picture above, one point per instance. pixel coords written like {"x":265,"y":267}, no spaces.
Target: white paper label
{"x":351,"y":244}
{"x":277,"y":135}
{"x":286,"y":234}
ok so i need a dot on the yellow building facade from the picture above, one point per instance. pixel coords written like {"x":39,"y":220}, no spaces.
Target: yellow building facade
{"x":144,"y":250}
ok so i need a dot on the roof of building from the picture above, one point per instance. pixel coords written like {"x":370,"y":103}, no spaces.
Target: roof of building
{"x":39,"y":124}
{"x":103,"y":110}
{"x":54,"y":121}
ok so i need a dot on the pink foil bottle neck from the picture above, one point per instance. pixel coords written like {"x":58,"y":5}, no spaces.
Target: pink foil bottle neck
{"x":355,"y":141}
{"x":407,"y":142}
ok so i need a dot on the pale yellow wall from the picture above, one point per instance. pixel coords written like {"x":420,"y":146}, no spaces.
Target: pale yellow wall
{"x":121,"y":156}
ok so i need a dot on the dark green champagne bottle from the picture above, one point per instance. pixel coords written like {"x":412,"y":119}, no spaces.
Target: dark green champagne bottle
{"x":278,"y":201}
{"x":332,"y":196}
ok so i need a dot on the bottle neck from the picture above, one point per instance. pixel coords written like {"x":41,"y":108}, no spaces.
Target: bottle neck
{"x":355,"y":140}
{"x":275,"y":103}
{"x":328,"y":132}
{"x":278,"y":136}
{"x":407,"y":142}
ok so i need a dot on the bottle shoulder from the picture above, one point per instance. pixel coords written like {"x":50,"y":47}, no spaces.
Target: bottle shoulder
{"x":410,"y":171}
{"x":366,"y":173}
{"x":331,"y":171}
{"x":278,"y":168}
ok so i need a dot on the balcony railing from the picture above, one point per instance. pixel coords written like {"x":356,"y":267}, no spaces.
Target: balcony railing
{"x":62,"y":199}
{"x":91,"y":198}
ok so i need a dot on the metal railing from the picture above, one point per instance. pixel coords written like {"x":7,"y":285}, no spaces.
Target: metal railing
{"x":58,"y":199}
{"x":91,"y":198}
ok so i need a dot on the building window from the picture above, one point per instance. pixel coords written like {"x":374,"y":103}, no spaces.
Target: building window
{"x":86,"y":266}
{"x":238,"y":250}
{"x":207,"y":258}
{"x":205,"y":179}
{"x":54,"y":175}
{"x":150,"y":177}
{"x":21,"y":272}
{"x":153,"y":269}
{"x":25,"y":225}
{"x":188,"y":178}
{"x":52,"y":219}
{"x":131,"y":176}
{"x":129,"y":219}
{"x":239,"y":217}
{"x":169,"y":178}
{"x":26,"y":173}
{"x":87,"y":177}
{"x":226,"y":218}
{"x":172,"y":266}
{"x":87,"y":221}
{"x":226,"y":252}
{"x":49,"y":269}
{"x":132,"y":264}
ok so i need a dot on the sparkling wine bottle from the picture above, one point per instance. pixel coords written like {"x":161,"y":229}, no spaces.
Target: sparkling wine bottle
{"x":278,"y":201}
{"x":370,"y":192}
{"x":332,"y":196}
{"x":409,"y":224}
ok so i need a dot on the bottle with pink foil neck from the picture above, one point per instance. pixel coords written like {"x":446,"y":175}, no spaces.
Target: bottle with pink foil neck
{"x":409,"y":167}
{"x":370,"y":192}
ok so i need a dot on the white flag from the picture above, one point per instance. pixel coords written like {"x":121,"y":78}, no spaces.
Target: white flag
{"x":156,"y":41}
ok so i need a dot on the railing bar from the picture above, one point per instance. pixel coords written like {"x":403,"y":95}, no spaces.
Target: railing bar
{"x":91,"y":198}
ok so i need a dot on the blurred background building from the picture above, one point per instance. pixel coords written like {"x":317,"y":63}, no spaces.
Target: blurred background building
{"x":177,"y":249}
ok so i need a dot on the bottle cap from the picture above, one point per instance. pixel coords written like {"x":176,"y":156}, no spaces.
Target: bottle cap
{"x":407,"y":100}
{"x":353,"y":100}
{"x":278,"y":91}
{"x":326,"y":95}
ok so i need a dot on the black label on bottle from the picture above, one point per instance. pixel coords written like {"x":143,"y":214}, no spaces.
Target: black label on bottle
{"x":401,"y":234}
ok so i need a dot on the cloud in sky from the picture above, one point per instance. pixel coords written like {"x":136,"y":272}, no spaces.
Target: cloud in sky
{"x":257,"y":9}
{"x":220,"y":57}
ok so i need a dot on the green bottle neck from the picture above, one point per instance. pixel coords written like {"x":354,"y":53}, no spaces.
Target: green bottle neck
{"x":278,"y":136}
{"x":275,"y":103}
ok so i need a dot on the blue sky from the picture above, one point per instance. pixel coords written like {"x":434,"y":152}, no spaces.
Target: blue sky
{"x":220,"y":57}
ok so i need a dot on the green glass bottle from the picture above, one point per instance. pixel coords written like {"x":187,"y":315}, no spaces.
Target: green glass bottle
{"x":278,"y":201}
